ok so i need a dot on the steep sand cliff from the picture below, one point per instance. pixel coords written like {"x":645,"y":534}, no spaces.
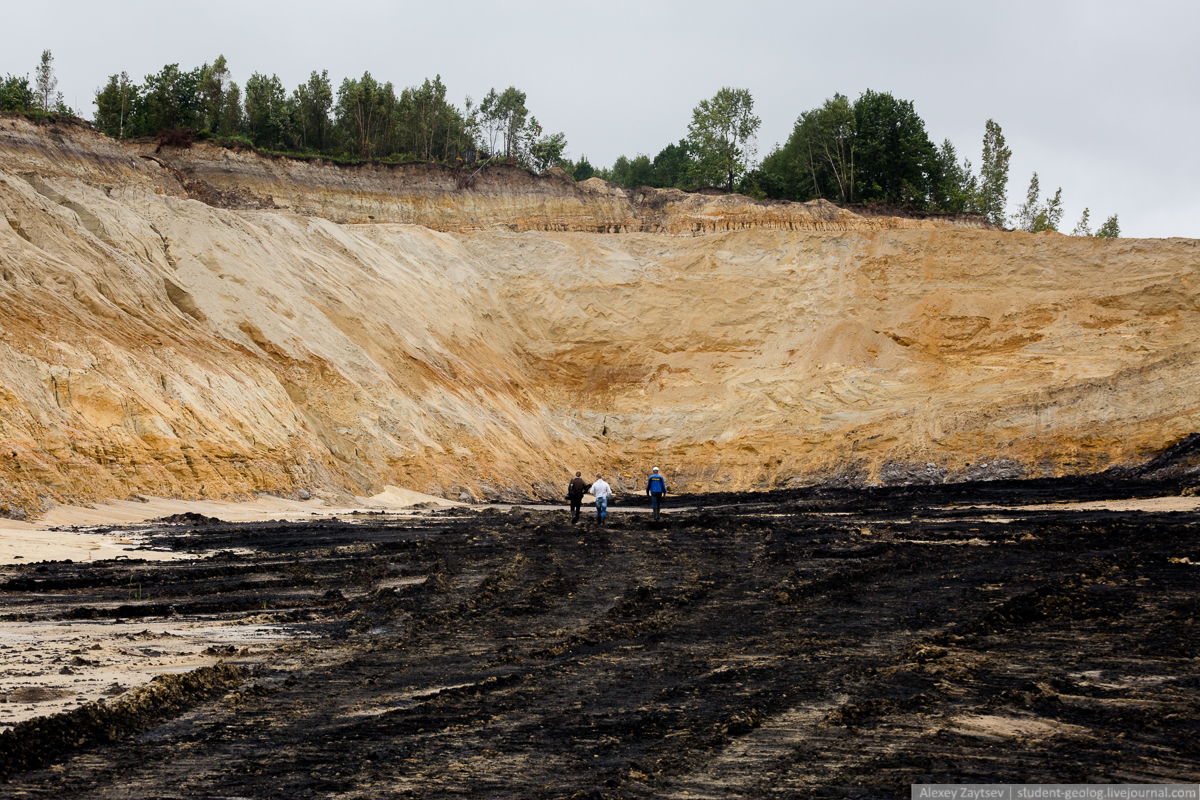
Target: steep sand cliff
{"x":151,"y":343}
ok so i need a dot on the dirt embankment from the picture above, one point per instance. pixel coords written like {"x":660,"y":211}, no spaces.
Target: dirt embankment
{"x":153,"y":344}
{"x":473,"y":198}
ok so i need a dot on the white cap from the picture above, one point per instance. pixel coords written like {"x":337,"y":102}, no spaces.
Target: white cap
{"x":656,"y":469}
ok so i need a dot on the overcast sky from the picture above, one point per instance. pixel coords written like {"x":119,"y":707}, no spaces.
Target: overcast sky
{"x":1100,"y":98}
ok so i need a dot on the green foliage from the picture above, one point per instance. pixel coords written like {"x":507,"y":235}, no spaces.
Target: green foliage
{"x":721,"y":134}
{"x":1083,"y":227}
{"x":873,"y":149}
{"x":641,"y":171}
{"x":620,"y":172}
{"x":365,"y":120}
{"x":268,"y":115}
{"x":46,"y":95}
{"x":1036,"y":216}
{"x":502,"y":127}
{"x":547,"y":151}
{"x":1050,"y":215}
{"x":1110,"y":229}
{"x":582,"y":169}
{"x":502,"y":119}
{"x":234,"y":140}
{"x":895,"y":161}
{"x":214,"y":82}
{"x":954,"y":187}
{"x":993,"y":175}
{"x":312,"y":102}
{"x":766,"y":180}
{"x":364,"y":114}
{"x":114,"y":105}
{"x":672,"y":165}
{"x":823,"y":148}
{"x":431,"y":122}
{"x":170,"y":99}
{"x":233,"y":118}
{"x":15,"y":94}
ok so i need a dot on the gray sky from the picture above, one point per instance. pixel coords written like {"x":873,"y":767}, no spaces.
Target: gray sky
{"x":1100,"y":98}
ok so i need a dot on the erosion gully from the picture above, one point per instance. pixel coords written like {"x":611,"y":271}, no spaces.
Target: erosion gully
{"x":823,"y":643}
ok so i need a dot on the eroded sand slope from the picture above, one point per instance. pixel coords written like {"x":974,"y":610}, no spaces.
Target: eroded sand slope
{"x":154,"y":344}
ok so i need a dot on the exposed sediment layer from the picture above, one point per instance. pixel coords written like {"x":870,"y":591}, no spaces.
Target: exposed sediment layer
{"x":154,"y":344}
{"x":469,"y":198}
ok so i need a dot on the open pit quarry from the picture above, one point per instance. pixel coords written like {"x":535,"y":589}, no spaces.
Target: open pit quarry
{"x":194,"y":328}
{"x":203,"y":323}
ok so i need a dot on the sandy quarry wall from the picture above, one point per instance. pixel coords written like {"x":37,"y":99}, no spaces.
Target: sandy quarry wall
{"x":151,"y":343}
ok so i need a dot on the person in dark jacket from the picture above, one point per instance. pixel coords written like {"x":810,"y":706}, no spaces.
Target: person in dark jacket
{"x":656,"y":488}
{"x":576,"y":489}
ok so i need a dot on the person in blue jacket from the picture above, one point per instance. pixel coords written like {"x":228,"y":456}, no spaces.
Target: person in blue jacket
{"x":656,"y":487}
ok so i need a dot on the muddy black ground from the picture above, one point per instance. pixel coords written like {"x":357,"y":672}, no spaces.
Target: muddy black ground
{"x":812,"y":643}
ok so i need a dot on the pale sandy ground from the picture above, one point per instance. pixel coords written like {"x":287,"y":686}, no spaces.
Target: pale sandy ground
{"x":68,"y":532}
{"x":48,"y":667}
{"x":1155,"y":504}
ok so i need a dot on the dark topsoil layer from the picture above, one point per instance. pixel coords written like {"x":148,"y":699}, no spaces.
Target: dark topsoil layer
{"x":822,"y":643}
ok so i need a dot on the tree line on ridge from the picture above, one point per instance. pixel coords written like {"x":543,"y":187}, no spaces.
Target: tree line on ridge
{"x":871,"y":150}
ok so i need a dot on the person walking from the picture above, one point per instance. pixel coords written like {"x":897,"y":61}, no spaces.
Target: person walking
{"x":656,"y":487}
{"x":576,"y":489}
{"x":601,"y":491}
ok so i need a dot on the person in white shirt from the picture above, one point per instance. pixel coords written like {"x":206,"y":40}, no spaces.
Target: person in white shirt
{"x":601,"y":491}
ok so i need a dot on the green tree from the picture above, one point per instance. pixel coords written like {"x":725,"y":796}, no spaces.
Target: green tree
{"x":1036,"y":216}
{"x":828,"y":143}
{"x":312,"y":101}
{"x":547,"y":151}
{"x":267,"y":112}
{"x":15,"y":94}
{"x":503,"y":119}
{"x":993,"y":175}
{"x":1027,"y":214}
{"x":171,"y":99}
{"x":641,"y":171}
{"x":1110,"y":229}
{"x":431,"y":128}
{"x":429,"y":105}
{"x":1050,"y":215}
{"x":894,"y":159}
{"x":113,"y":105}
{"x":767,"y":179}
{"x":232,"y":116}
{"x":673,"y":164}
{"x":214,"y":82}
{"x":582,"y":169}
{"x":1083,"y":227}
{"x":818,"y":159}
{"x":45,"y":83}
{"x":954,"y":184}
{"x":721,"y":134}
{"x":366,"y":112}
{"x":619,"y":174}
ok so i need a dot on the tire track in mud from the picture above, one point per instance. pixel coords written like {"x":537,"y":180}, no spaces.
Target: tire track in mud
{"x":753,"y":650}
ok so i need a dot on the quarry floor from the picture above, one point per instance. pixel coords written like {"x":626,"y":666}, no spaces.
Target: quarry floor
{"x":809,"y":643}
